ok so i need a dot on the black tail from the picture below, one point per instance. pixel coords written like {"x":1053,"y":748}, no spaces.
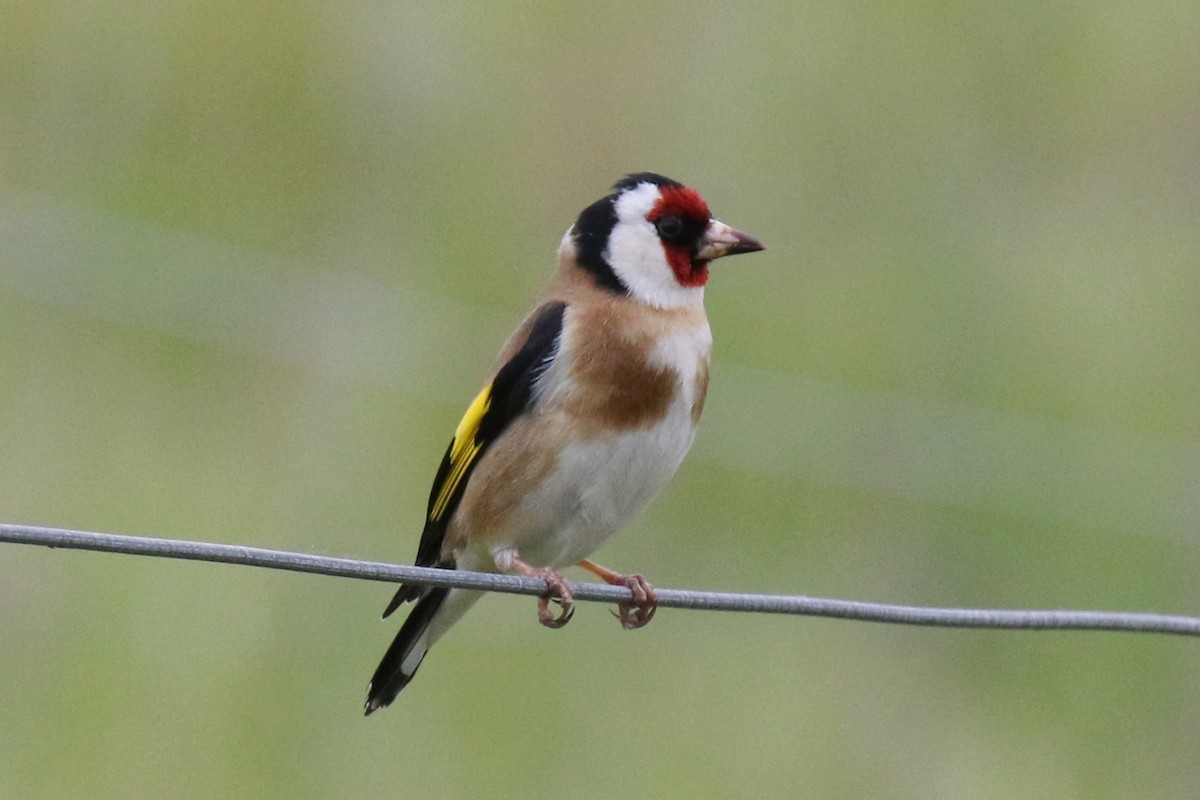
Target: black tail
{"x":405,"y":594}
{"x":390,"y":677}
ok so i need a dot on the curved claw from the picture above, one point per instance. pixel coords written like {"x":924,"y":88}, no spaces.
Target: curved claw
{"x":639,"y":611}
{"x":547,"y":617}
{"x":558,"y":589}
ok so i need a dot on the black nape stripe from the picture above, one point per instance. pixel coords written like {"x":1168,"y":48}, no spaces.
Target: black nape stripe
{"x":596,"y":222}
{"x":591,"y":232}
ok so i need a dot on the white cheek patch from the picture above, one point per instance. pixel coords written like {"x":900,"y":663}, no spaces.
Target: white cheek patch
{"x":636,"y":254}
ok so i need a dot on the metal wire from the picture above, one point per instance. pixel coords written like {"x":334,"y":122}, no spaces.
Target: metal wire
{"x":667,"y":598}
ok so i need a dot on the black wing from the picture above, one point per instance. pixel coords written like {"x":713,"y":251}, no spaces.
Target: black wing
{"x":508,"y":396}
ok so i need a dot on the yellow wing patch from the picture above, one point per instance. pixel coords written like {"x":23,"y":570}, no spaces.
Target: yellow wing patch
{"x":463,"y":450}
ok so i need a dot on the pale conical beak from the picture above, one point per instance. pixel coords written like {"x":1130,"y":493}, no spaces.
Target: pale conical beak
{"x":721,"y":240}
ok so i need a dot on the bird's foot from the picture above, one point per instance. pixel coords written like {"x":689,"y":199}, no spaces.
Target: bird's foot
{"x":558,"y":589}
{"x":641,"y":609}
{"x":633,"y":613}
{"x":561,"y":592}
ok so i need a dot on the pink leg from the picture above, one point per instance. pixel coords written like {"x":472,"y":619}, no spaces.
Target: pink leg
{"x":558,"y":588}
{"x":641,"y":609}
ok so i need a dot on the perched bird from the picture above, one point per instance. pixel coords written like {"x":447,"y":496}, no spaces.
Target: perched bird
{"x":590,"y":409}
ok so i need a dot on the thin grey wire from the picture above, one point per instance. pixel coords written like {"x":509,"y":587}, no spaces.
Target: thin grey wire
{"x":667,"y":598}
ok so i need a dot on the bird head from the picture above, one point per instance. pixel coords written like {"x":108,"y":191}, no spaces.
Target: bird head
{"x":653,"y":239}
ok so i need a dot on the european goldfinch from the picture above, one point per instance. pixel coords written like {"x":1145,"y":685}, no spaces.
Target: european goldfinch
{"x":590,"y":409}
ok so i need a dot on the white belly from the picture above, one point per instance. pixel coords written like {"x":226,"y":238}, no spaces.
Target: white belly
{"x":597,"y":487}
{"x":599,"y":484}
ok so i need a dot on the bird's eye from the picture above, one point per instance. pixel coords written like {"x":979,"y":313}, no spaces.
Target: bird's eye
{"x":669,"y":227}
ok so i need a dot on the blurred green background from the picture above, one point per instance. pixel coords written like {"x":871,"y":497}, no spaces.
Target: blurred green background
{"x":255,"y":258}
